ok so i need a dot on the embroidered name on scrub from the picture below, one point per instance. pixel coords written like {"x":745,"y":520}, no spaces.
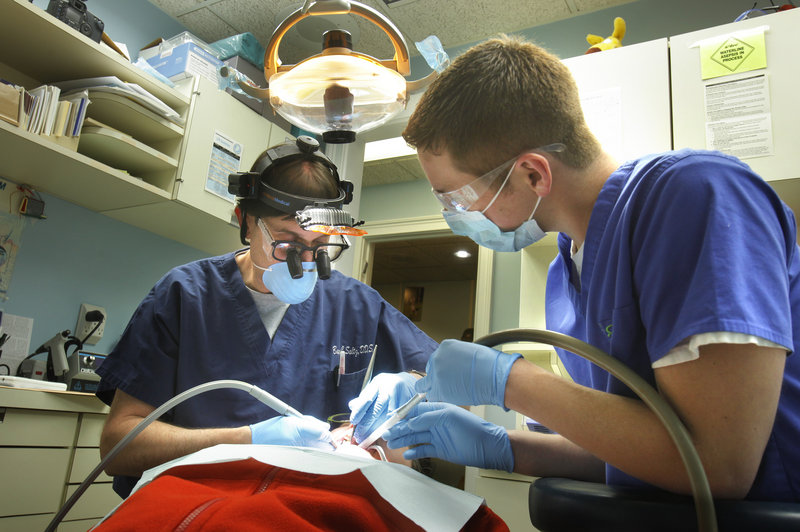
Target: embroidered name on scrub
{"x":340,"y":353}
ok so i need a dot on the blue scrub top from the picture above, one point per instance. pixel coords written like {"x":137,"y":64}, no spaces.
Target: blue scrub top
{"x":679,"y":244}
{"x":200,"y":323}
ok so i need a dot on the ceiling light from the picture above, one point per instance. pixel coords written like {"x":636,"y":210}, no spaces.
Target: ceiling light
{"x":338,"y":92}
{"x":463,"y":254}
{"x":387,"y":149}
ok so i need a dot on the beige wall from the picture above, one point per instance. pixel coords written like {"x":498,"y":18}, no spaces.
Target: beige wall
{"x":446,"y":307}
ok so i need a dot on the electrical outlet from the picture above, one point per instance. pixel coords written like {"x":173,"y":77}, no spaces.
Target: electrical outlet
{"x":85,"y":327}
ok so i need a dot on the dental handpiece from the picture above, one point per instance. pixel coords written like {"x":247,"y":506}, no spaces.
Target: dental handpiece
{"x":273,"y":402}
{"x":398,"y":414}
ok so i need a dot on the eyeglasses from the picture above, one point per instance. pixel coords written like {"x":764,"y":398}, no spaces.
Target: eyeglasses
{"x":281,"y":249}
{"x":465,"y":197}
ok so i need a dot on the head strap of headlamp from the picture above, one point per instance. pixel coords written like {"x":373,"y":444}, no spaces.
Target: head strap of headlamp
{"x":251,"y":185}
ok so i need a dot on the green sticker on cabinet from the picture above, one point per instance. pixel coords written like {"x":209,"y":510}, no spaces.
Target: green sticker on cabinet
{"x":733,"y":53}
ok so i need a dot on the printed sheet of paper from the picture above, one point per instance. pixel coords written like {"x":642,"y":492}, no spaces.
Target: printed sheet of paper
{"x":739,"y":117}
{"x":17,"y":346}
{"x":226,"y":155}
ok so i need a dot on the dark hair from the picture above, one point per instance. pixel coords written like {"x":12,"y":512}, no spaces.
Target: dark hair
{"x":299,"y":176}
{"x":498,"y":99}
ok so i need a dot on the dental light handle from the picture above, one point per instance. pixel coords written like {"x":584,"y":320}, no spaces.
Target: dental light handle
{"x":395,"y":418}
{"x":266,"y":398}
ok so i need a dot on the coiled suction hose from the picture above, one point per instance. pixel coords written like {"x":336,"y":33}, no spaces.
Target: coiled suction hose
{"x":704,"y":503}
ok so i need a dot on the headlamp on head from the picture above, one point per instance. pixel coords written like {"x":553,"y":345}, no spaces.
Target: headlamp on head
{"x":321,"y":215}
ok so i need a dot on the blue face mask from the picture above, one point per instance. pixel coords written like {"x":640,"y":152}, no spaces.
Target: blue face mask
{"x":279,"y":281}
{"x":484,"y":232}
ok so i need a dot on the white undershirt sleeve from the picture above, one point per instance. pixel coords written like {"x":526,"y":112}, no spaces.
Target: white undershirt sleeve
{"x":689,"y":349}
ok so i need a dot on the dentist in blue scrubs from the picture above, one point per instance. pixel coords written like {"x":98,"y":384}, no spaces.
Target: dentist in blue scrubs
{"x":274,"y":315}
{"x":683,"y":265}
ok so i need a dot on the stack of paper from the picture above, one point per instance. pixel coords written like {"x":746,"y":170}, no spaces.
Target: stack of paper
{"x":43,"y":113}
{"x":44,"y":108}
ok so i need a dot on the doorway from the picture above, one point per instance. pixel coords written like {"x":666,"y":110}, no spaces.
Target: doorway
{"x":431,"y":280}
{"x":413,"y":253}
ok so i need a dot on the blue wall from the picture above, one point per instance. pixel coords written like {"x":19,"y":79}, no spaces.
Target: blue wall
{"x":77,"y":256}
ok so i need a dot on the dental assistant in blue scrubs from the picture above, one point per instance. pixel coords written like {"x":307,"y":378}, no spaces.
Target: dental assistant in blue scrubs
{"x":683,"y":265}
{"x":274,"y":315}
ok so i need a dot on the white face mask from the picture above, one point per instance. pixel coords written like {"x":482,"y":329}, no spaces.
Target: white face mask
{"x":484,"y":232}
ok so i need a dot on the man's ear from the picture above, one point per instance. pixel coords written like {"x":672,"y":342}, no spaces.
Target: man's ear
{"x":539,"y":172}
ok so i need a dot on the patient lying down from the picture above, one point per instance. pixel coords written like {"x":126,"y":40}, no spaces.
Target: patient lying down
{"x":266,"y":487}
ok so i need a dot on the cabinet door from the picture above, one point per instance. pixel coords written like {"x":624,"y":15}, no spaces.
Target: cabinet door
{"x":625,"y":97}
{"x":781,"y":77}
{"x":37,"y":428}
{"x":216,"y":114}
{"x":33,"y":481}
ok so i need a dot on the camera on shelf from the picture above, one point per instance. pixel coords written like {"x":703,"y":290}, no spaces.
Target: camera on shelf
{"x":74,"y":14}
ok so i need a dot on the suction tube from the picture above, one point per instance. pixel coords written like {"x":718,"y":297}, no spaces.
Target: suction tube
{"x":701,"y":491}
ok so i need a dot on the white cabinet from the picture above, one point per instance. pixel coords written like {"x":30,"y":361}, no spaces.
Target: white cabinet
{"x":214,"y":112}
{"x":782,"y":74}
{"x":49,"y":442}
{"x":625,"y":97}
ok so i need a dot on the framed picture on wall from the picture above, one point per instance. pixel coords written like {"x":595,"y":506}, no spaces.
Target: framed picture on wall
{"x":412,"y":302}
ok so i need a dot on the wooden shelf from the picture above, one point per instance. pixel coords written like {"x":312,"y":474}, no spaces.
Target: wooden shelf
{"x":42,"y":47}
{"x":71,"y":176}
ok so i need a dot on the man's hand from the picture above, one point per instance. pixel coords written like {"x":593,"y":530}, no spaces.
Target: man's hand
{"x":385,"y":393}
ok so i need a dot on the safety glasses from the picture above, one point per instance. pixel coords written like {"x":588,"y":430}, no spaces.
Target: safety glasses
{"x":465,"y":197}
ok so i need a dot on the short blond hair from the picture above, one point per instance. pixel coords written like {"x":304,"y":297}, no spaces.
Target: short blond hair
{"x":498,"y":99}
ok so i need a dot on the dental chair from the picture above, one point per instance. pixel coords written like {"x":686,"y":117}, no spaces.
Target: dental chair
{"x":565,"y":505}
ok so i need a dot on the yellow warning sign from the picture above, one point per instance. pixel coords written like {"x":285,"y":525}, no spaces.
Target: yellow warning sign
{"x":733,"y":54}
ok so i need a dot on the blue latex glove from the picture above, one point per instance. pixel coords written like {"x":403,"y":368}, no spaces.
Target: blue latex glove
{"x":464,"y":373}
{"x":306,"y":431}
{"x":449,"y":432}
{"x":384,"y":394}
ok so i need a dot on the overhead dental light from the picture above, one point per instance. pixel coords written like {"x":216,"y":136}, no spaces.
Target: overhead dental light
{"x":338,"y":92}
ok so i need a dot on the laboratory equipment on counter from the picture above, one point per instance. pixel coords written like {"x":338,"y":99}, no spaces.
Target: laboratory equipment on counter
{"x":80,"y":375}
{"x":395,"y":418}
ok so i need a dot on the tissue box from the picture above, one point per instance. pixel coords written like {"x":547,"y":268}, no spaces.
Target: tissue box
{"x":257,"y":75}
{"x":181,"y":57}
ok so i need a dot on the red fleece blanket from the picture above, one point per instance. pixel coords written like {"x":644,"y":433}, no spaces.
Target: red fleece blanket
{"x":248,"y":495}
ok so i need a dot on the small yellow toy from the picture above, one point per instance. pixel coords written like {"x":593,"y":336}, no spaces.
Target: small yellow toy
{"x":598,"y":44}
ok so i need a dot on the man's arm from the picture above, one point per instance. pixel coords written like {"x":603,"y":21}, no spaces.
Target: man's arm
{"x":159,"y":442}
{"x":727,"y":399}
{"x":552,"y":455}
